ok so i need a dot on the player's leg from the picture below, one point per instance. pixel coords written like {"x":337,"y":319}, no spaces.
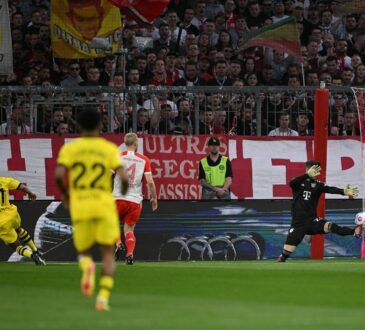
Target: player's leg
{"x":20,"y":249}
{"x":131,"y":220}
{"x":295,"y":236}
{"x":130,"y":242}
{"x":107,"y":233}
{"x":26,"y":239}
{"x":107,"y":277}
{"x":84,"y":240}
{"x":120,"y":250}
{"x":11,"y":221}
{"x":330,"y":227}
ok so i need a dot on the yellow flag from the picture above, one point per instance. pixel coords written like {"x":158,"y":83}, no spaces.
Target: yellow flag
{"x":78,"y":26}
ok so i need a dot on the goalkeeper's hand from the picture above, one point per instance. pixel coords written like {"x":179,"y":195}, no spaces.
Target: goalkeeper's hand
{"x":314,"y":171}
{"x":351,"y":191}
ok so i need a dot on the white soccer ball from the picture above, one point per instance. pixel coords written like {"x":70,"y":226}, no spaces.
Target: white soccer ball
{"x":360,"y":218}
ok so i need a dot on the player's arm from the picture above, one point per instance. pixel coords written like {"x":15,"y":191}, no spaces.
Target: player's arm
{"x":347,"y":191}
{"x":123,"y":176}
{"x":152,"y":190}
{"x":32,"y":196}
{"x":60,"y":175}
{"x":228,"y":181}
{"x":295,"y":183}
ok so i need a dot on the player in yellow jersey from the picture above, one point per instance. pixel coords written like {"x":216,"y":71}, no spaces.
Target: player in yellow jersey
{"x":11,"y":232}
{"x":87,"y":164}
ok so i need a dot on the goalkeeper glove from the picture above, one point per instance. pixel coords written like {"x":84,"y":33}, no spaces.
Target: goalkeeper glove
{"x":351,"y":191}
{"x":314,"y":171}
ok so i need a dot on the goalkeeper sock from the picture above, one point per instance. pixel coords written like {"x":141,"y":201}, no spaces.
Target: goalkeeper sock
{"x":106,"y":285}
{"x":23,"y":251}
{"x":26,"y":239}
{"x":130,"y":242}
{"x":343,"y":231}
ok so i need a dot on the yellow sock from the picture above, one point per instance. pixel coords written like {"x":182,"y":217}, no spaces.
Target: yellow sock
{"x":24,"y":251}
{"x":84,"y":263}
{"x":26,"y":239}
{"x":106,"y":285}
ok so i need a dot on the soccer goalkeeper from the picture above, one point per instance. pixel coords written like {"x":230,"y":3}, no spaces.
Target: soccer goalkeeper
{"x":306,"y":193}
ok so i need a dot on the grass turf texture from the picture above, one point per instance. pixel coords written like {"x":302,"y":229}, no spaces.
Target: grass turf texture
{"x":195,"y":295}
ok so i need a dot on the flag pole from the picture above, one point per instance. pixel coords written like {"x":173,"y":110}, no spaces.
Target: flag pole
{"x":303,"y":74}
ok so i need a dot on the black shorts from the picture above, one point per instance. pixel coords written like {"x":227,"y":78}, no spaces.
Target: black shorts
{"x":297,"y":232}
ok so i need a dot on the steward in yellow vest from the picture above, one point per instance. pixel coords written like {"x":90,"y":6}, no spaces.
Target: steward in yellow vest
{"x":215,"y":173}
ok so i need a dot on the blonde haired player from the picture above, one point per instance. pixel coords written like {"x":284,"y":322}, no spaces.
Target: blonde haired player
{"x":11,"y":232}
{"x":87,"y":163}
{"x":130,"y":205}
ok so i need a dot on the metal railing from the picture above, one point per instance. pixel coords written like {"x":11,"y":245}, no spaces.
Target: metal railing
{"x":170,"y":110}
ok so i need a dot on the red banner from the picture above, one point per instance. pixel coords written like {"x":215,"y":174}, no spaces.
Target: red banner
{"x":262,"y":167}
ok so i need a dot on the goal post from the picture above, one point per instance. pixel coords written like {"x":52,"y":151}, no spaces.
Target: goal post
{"x":359,"y":95}
{"x":321,"y":114}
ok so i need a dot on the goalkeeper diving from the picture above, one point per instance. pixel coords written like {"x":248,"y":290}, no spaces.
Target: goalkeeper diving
{"x":306,"y":193}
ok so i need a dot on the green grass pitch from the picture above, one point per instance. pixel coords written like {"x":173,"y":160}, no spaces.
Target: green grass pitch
{"x":190,"y":295}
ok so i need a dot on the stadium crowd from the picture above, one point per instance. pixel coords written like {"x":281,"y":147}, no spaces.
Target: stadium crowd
{"x":197,"y":43}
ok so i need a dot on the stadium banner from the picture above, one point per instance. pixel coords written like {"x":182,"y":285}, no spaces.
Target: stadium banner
{"x":6,"y":48}
{"x":193,"y":230}
{"x":282,"y":36}
{"x":341,"y":7}
{"x":262,"y":166}
{"x":143,"y":11}
{"x":82,"y":29}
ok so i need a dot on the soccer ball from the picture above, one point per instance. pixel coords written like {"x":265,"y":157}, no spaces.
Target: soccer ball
{"x":360,"y":218}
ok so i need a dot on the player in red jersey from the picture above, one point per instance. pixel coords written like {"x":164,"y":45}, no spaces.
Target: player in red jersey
{"x":130,"y":205}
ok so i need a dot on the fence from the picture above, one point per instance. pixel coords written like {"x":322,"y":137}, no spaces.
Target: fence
{"x":250,"y":111}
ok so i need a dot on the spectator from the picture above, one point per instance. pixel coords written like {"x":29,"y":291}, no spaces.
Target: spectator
{"x":235,"y":69}
{"x":133,"y":78}
{"x":73,"y":78}
{"x":349,"y":125}
{"x":160,"y":77}
{"x":68,"y":117}
{"x":161,"y":121}
{"x":191,"y":76}
{"x":62,"y":128}
{"x":220,"y":75}
{"x":145,"y":75}
{"x":230,"y":16}
{"x":184,"y":122}
{"x":143,"y":122}
{"x":302,"y":122}
{"x":18,"y":121}
{"x":164,"y":38}
{"x":215,"y":173}
{"x":312,"y":78}
{"x":255,"y":17}
{"x":206,"y":121}
{"x":210,"y":30}
{"x":359,"y":79}
{"x":224,"y":40}
{"x":279,"y":11}
{"x":108,"y":71}
{"x":267,"y":76}
{"x":213,"y":7}
{"x":239,"y":31}
{"x":177,"y":34}
{"x":220,"y":121}
{"x":199,"y":10}
{"x":92,"y":77}
{"x":187,"y":22}
{"x":192,"y":53}
{"x":344,"y":61}
{"x":347,"y":76}
{"x":283,"y":129}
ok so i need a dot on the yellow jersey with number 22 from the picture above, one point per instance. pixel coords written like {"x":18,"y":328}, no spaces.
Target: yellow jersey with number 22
{"x":89,"y":161}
